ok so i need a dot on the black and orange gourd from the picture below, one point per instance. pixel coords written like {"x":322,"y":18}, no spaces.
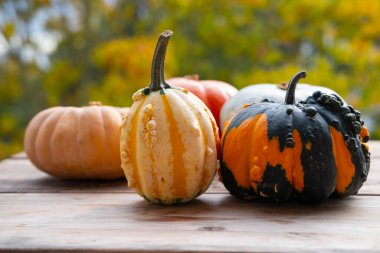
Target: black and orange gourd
{"x":308,"y":151}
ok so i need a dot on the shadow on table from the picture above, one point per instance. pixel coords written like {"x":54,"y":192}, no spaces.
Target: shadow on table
{"x":225,"y":207}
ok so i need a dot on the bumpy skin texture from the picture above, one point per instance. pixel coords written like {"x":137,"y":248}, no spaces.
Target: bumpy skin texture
{"x":257,"y":92}
{"x":169,"y":146}
{"x":213,"y":93}
{"x":306,"y":152}
{"x":76,"y":142}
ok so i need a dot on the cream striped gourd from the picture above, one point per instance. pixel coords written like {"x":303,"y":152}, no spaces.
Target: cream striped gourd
{"x":169,"y":140}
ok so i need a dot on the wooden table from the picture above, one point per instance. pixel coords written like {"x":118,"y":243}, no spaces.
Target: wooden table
{"x":44,"y":214}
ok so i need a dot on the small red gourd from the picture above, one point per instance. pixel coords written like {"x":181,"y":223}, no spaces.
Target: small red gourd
{"x":212,"y":92}
{"x":306,"y":151}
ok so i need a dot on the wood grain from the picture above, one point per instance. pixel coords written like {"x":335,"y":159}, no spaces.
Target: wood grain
{"x":214,"y":222}
{"x":40,"y":213}
{"x":19,"y":175}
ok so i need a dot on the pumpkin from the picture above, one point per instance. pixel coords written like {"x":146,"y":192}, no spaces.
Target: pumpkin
{"x":76,"y":142}
{"x":257,"y":92}
{"x":308,"y":151}
{"x":169,"y":139}
{"x":213,"y":93}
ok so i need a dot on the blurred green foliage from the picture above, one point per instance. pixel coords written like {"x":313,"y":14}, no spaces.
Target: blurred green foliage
{"x":102,"y":50}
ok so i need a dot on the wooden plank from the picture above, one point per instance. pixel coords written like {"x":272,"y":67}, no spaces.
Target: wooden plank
{"x":20,"y":175}
{"x":93,"y":216}
{"x":213,"y":222}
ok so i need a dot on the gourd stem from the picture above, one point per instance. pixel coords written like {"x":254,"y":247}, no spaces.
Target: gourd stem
{"x":157,"y":75}
{"x":290,"y":98}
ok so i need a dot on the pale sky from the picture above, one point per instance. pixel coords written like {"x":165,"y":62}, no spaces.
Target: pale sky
{"x":45,"y":41}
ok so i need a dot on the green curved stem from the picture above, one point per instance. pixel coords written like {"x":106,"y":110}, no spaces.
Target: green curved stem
{"x":157,"y":74}
{"x":290,"y":98}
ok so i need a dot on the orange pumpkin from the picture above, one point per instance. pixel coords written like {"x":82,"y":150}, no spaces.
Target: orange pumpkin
{"x":213,"y":93}
{"x":76,"y":142}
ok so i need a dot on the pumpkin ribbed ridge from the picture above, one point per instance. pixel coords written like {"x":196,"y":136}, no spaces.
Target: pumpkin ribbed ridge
{"x":31,"y":135}
{"x":204,"y":119}
{"x":86,"y":131}
{"x":63,"y":159}
{"x":43,"y":144}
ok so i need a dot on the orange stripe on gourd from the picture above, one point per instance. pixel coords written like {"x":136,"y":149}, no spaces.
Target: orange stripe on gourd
{"x":344,"y":165}
{"x":178,"y":149}
{"x":203,"y":117}
{"x":233,"y":144}
{"x":298,"y":172}
{"x":132,"y":145}
{"x":203,"y":181}
{"x":267,"y":152}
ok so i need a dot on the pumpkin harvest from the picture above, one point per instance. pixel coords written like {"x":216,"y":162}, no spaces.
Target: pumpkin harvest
{"x":76,"y":142}
{"x":213,"y":93}
{"x":169,"y":139}
{"x":308,"y":151}
{"x":257,"y":92}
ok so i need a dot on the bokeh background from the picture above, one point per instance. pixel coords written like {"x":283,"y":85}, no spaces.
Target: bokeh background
{"x":70,"y":52}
